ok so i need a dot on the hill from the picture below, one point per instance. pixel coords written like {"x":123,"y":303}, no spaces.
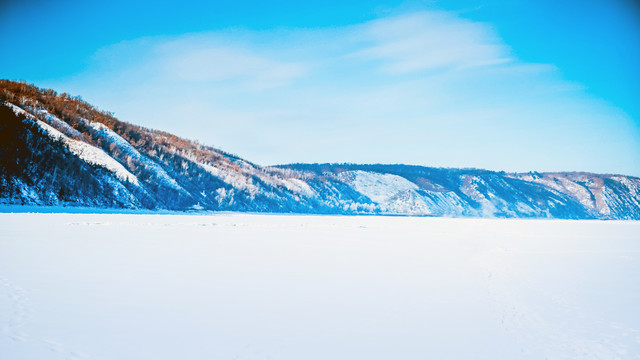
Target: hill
{"x":57,"y":149}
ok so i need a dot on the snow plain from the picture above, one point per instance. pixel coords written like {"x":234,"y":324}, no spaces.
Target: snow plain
{"x":232,"y":286}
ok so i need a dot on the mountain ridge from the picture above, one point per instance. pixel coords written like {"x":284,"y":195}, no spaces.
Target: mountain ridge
{"x":59,"y":150}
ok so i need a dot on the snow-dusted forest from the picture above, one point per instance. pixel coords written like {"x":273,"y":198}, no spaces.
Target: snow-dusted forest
{"x":58,"y":150}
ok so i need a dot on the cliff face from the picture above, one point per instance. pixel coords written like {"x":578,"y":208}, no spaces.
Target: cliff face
{"x":59,"y":150}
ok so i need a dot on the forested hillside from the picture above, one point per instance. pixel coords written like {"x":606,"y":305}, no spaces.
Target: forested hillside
{"x":58,"y":150}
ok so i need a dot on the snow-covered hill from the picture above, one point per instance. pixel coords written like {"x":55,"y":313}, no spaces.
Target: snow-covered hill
{"x":59,"y":150}
{"x":417,"y":190}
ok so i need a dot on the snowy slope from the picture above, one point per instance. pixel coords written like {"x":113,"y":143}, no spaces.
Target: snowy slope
{"x":86,"y":152}
{"x":414,"y":190}
{"x":161,"y":175}
{"x":58,"y":124}
{"x":377,"y":187}
{"x":90,"y":154}
{"x":397,"y":195}
{"x":610,"y":196}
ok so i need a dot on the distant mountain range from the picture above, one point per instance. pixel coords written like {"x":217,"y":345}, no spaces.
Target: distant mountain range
{"x":56,"y":149}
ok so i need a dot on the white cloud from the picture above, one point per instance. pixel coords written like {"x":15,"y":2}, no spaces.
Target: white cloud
{"x":428,"y":41}
{"x":193,"y":63}
{"x":425,"y":88}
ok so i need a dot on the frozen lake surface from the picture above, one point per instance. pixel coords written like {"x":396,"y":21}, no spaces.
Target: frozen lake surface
{"x":100,"y":286}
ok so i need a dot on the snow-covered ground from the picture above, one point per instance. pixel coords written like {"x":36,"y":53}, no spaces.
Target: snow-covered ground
{"x":100,"y":286}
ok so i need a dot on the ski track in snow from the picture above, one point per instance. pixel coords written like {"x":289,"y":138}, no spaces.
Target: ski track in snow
{"x":532,"y":328}
{"x":20,"y":313}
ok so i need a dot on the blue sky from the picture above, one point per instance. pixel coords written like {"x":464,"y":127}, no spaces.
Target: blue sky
{"x":515,"y":86}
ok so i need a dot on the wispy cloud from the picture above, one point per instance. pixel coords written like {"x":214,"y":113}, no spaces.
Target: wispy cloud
{"x":185,"y":61}
{"x":431,"y":41}
{"x":427,"y":88}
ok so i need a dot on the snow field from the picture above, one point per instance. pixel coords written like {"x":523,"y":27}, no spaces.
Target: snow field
{"x":114,"y":286}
